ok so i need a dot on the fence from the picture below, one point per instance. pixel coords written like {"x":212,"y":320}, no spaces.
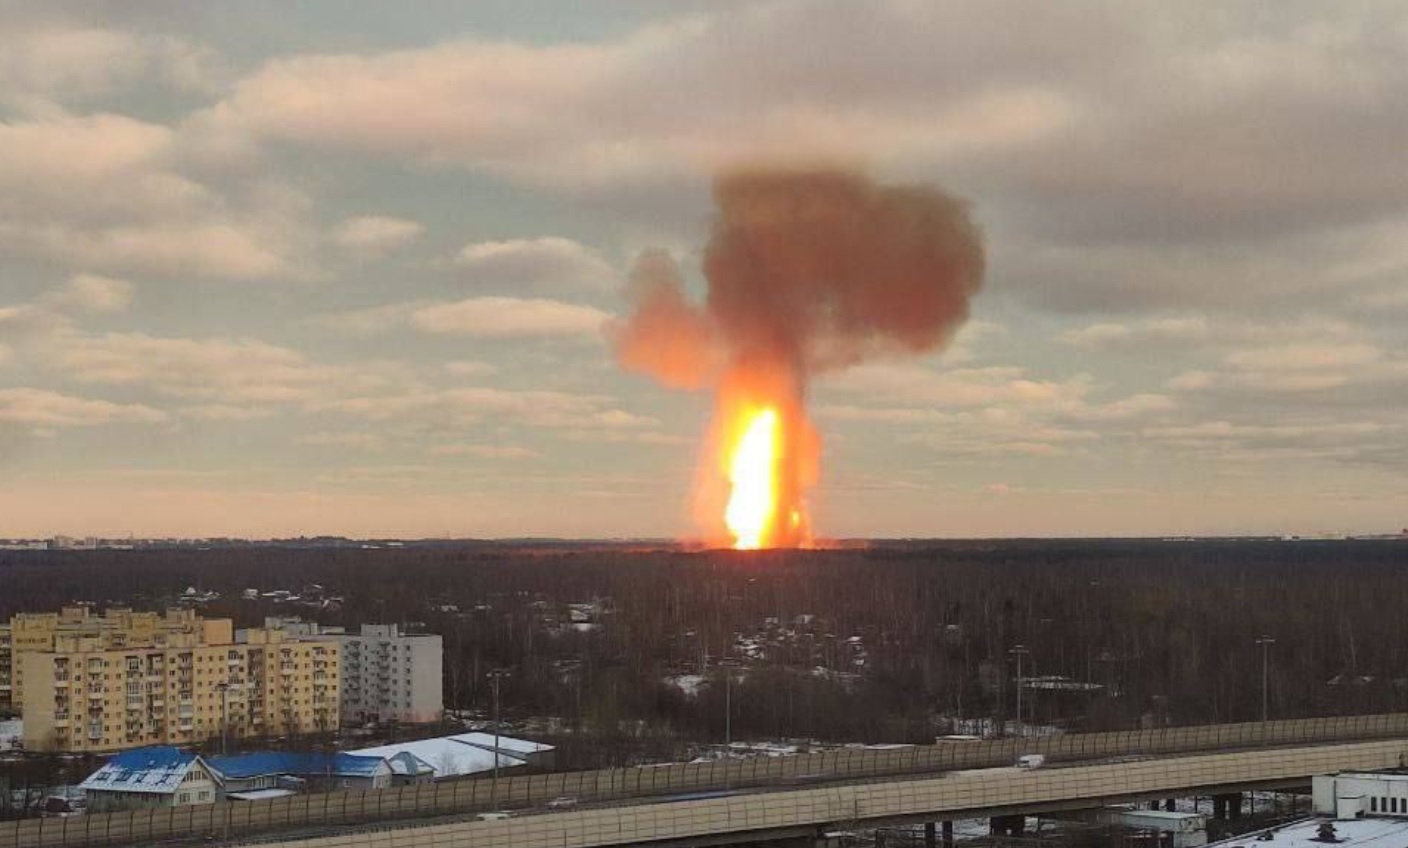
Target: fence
{"x":229,"y":819}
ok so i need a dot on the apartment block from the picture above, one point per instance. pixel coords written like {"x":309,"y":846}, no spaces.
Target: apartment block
{"x":115,"y":629}
{"x":83,"y":695}
{"x":387,"y":675}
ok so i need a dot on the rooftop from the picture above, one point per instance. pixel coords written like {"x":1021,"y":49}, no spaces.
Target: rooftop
{"x":461,"y":754}
{"x":1350,"y":833}
{"x":242,"y":766}
{"x":158,"y":769}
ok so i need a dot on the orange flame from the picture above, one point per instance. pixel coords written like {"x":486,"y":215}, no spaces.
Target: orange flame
{"x":751,"y":514}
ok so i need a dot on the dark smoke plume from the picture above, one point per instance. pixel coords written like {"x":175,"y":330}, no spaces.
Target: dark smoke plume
{"x":808,"y":271}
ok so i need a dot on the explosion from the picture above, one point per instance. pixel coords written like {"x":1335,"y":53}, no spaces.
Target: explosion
{"x":809,"y":272}
{"x":751,"y":514}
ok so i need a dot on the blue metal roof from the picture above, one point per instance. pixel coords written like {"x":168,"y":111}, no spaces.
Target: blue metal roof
{"x":242,"y":766}
{"x":156,"y":769}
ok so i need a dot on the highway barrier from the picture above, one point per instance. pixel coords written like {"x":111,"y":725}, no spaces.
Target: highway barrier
{"x":226,"y":820}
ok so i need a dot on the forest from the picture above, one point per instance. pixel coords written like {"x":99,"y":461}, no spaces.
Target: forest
{"x":633,"y":649}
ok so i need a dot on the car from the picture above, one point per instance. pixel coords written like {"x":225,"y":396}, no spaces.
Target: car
{"x":562,"y":802}
{"x":1031,"y":761}
{"x":492,"y":816}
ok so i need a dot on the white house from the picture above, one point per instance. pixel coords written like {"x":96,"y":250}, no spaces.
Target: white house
{"x":159,"y":776}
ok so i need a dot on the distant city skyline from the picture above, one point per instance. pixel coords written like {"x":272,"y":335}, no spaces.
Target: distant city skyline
{"x":345,"y":268}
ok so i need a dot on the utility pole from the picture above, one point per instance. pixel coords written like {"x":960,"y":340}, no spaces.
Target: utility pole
{"x":1265,"y":642}
{"x":494,"y":677}
{"x":1019,"y":651}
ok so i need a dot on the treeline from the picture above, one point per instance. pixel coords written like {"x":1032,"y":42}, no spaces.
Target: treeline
{"x":889,"y":642}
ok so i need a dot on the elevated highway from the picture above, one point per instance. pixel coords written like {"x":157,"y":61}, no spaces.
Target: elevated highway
{"x":798,"y":816}
{"x":621,"y":806}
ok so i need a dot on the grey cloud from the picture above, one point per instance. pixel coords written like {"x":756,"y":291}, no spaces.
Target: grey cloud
{"x":538,"y":263}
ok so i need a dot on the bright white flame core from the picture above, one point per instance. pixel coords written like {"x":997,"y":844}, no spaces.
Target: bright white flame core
{"x":752,"y":505}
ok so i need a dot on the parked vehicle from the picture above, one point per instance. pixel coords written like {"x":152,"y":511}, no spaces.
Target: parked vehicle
{"x":492,"y":816}
{"x":1031,"y":761}
{"x":563,"y":802}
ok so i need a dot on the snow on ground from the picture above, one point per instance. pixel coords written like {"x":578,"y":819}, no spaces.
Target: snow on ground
{"x":689,"y":684}
{"x":11,"y":732}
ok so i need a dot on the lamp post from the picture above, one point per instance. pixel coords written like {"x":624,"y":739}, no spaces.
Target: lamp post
{"x":727,"y":667}
{"x":494,"y":677}
{"x":1019,"y":651}
{"x":224,"y":689}
{"x":1265,"y":642}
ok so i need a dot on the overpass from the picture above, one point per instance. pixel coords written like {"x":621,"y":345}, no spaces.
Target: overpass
{"x":798,"y":816}
{"x":771,"y":798}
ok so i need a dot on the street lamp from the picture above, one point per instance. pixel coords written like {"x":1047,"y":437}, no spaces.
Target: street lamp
{"x":728,"y":666}
{"x":1265,"y":642}
{"x":494,"y":677}
{"x":224,"y":689}
{"x":1019,"y":651}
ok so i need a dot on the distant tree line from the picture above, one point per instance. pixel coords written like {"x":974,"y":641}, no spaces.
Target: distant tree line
{"x":1166,"y":630}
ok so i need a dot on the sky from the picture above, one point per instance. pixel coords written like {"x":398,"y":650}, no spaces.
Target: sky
{"x":271,"y":269}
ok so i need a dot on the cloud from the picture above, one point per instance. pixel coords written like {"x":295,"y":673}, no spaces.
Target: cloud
{"x":469,"y":368}
{"x":539,"y":263}
{"x":1301,"y":356}
{"x":92,"y":293}
{"x":508,"y":317}
{"x":450,"y":410}
{"x":1140,"y":334}
{"x":44,"y":408}
{"x":225,"y":412}
{"x":1048,"y":110}
{"x":371,"y":321}
{"x":224,"y":372}
{"x":104,"y":192}
{"x":66,"y":63}
{"x":957,"y":387}
{"x":650,"y":103}
{"x":375,"y":236}
{"x":484,"y":451}
{"x":354,"y":441}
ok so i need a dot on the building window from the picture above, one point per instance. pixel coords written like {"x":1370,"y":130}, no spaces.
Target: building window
{"x":1373,"y":805}
{"x":185,"y":797}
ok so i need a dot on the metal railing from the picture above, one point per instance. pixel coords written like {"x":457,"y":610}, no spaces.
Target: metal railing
{"x":225,"y":819}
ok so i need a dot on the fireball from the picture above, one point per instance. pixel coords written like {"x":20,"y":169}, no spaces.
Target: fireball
{"x":752,"y":508}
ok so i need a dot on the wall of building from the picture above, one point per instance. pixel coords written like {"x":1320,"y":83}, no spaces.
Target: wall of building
{"x":81,"y":697}
{"x":196,"y":788}
{"x":1346,"y":795}
{"x":389,"y":675}
{"x":117,"y":628}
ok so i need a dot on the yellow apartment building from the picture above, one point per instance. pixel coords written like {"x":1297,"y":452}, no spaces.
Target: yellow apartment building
{"x":86,"y":694}
{"x":116,"y":628}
